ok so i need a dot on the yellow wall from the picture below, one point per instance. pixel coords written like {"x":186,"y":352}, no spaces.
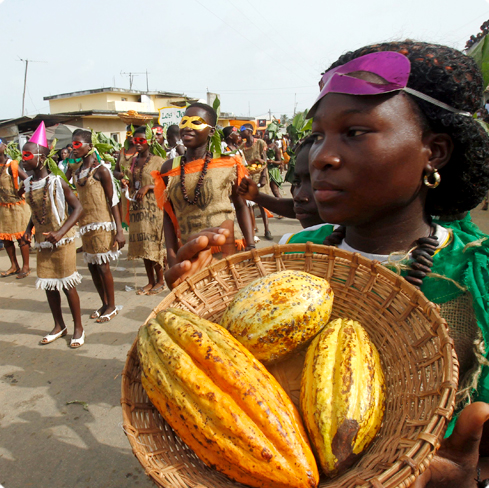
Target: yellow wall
{"x":107,"y":125}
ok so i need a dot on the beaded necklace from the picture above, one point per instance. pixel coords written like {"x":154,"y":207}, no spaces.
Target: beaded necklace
{"x":200,"y":182}
{"x":82,"y":175}
{"x":44,"y":203}
{"x":138,"y":183}
{"x":425,"y":248}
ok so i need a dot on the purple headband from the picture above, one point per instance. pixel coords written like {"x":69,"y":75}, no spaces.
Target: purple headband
{"x":392,"y":66}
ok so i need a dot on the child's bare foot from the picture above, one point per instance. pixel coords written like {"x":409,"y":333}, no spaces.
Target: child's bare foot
{"x":108,"y":315}
{"x":145,"y":289}
{"x":99,"y":312}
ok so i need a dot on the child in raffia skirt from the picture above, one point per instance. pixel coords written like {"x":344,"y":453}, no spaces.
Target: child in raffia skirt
{"x":47,"y":196}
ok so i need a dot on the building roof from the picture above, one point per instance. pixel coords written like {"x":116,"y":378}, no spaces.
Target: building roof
{"x":113,"y":90}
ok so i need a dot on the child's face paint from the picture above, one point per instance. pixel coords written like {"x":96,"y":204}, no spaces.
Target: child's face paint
{"x":30,"y":156}
{"x":80,"y":147}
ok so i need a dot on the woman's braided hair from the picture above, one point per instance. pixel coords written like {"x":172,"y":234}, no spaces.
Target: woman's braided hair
{"x":452,"y":77}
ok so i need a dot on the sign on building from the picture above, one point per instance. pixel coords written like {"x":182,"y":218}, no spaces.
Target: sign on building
{"x":170,"y":116}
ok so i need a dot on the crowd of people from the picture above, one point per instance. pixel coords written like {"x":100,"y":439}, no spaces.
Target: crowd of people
{"x":392,"y":166}
{"x":162,"y":201}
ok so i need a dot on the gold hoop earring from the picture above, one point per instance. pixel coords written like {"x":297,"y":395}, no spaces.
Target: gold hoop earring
{"x":436,"y":176}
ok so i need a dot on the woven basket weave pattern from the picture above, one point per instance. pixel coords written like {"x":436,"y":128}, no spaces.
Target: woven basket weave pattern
{"x":417,"y":355}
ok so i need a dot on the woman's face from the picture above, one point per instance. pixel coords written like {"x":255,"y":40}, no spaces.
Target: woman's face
{"x":80,"y":147}
{"x":31,"y":155}
{"x":305,"y":207}
{"x":64,"y":154}
{"x":193,"y":138}
{"x":140,"y":142}
{"x":368,"y":158}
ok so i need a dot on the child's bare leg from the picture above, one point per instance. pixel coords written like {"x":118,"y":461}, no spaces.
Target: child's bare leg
{"x":24,"y":250}
{"x":149,"y":266}
{"x":99,"y":285}
{"x":253,"y":221}
{"x":108,"y":285}
{"x":10,"y":248}
{"x":74,"y":303}
{"x":54,"y":300}
{"x":265,"y":223}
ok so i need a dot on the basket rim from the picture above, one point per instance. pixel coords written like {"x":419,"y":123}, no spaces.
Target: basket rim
{"x":419,"y":456}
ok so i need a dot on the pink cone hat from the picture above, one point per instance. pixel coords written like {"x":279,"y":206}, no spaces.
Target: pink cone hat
{"x":39,"y":137}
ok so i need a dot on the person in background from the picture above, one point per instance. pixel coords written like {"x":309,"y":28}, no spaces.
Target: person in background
{"x":175,"y":144}
{"x":14,"y":214}
{"x":255,"y":151}
{"x":146,"y":240}
{"x":63,"y":159}
{"x":158,"y":134}
{"x":100,"y":223}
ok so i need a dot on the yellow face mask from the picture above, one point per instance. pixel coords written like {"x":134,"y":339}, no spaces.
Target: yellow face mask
{"x":195,"y":123}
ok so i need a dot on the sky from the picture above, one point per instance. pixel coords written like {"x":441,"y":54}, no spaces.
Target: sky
{"x":258,"y":55}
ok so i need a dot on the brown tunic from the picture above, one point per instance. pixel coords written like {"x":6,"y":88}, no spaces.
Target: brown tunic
{"x":14,"y":213}
{"x":97,"y":228}
{"x":146,"y":239}
{"x":213,"y":206}
{"x":256,"y":152}
{"x":56,"y":265}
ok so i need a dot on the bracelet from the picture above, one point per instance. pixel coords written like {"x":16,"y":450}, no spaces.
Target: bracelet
{"x":481,"y":483}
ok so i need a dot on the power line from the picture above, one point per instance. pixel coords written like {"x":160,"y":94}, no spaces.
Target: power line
{"x":244,"y":37}
{"x":294,"y":58}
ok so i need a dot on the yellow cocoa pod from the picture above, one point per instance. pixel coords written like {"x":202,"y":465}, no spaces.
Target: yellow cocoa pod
{"x":223,"y":403}
{"x":342,"y":394}
{"x":275,"y":315}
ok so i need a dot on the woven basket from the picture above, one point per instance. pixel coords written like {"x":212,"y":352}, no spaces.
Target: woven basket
{"x":255,"y":171}
{"x":417,"y":355}
{"x":134,"y":118}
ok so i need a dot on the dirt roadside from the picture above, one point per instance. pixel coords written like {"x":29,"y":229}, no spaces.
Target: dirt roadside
{"x":46,"y":441}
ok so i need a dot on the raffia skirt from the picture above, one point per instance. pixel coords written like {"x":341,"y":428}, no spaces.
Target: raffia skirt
{"x":56,"y":267}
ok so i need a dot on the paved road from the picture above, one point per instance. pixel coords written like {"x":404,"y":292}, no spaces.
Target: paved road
{"x":44,"y":440}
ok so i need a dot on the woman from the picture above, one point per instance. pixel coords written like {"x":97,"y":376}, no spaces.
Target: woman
{"x":14,"y":214}
{"x":145,"y":218}
{"x":197,"y":189}
{"x":395,"y":143}
{"x":274,"y":165}
{"x":100,"y":224}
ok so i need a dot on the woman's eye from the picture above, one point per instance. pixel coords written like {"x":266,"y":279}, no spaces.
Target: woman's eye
{"x":355,"y":132}
{"x":317,"y":137}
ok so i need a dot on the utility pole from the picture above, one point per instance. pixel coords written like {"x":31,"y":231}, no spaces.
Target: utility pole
{"x":270,"y":114}
{"x":26,"y":61}
{"x":295,"y":102}
{"x":147,"y":82}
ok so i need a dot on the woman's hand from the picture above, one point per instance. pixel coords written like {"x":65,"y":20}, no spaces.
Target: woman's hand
{"x":248,"y":189}
{"x":52,"y":237}
{"x":141,"y":192}
{"x":196,"y":254}
{"x":455,"y":464}
{"x":26,"y":238}
{"x":120,"y":240}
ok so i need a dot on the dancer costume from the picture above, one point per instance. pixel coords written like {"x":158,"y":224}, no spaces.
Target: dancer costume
{"x":14,"y":213}
{"x":214,"y":204}
{"x":146,"y":240}
{"x":97,"y":227}
{"x":56,"y":264}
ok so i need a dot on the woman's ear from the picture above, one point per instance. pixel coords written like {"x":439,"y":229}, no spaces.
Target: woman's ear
{"x":212,"y":131}
{"x":440,"y":148}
